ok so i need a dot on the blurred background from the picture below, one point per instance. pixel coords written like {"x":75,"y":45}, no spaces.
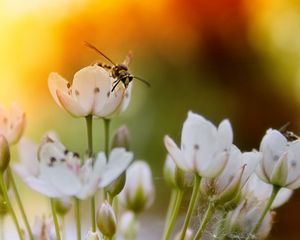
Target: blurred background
{"x":236,"y":59}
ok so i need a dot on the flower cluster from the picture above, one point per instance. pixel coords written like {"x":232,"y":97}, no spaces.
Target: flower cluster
{"x":61,"y":175}
{"x":240,"y":190}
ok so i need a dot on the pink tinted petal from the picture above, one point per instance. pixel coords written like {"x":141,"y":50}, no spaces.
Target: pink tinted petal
{"x":71,"y":105}
{"x":56,"y":82}
{"x":17,"y":129}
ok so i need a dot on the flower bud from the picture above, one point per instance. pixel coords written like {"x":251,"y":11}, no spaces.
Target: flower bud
{"x":4,"y":154}
{"x":106,"y":220}
{"x":62,"y":205}
{"x":138,"y":193}
{"x":128,"y":225}
{"x":116,"y":186}
{"x":121,"y":138}
{"x":92,"y":236}
{"x":172,"y":174}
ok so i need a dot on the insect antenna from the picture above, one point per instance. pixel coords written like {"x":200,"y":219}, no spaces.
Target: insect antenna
{"x":89,"y":45}
{"x":143,"y":81}
{"x":115,"y":85}
{"x":283,"y":128}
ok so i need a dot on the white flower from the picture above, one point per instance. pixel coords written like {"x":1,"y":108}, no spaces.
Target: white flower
{"x":138,"y":192}
{"x":228,"y":184}
{"x":204,"y":148}
{"x":56,"y":172}
{"x":262,"y":191}
{"x":242,"y":220}
{"x":43,"y":229}
{"x":89,"y":94}
{"x":12,"y":123}
{"x":281,"y":160}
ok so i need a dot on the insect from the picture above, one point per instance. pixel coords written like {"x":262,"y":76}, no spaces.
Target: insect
{"x":120,"y":71}
{"x":290,"y":136}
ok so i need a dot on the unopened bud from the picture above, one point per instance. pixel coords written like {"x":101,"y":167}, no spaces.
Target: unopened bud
{"x":62,"y":205}
{"x":106,"y":220}
{"x":116,"y":186}
{"x":172,"y":174}
{"x":4,"y":154}
{"x":121,"y":138}
{"x":128,"y":225}
{"x":138,"y":193}
{"x":92,"y":236}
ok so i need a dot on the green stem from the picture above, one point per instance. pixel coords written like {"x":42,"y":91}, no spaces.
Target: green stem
{"x":170,"y":209}
{"x":89,"y":126}
{"x":267,"y":208}
{"x":19,"y":202}
{"x":194,"y":197}
{"x":11,"y":210}
{"x":207,"y":216}
{"x":62,"y":224}
{"x":106,"y":135}
{"x":174,"y":213}
{"x":219,"y":232}
{"x":77,"y":216}
{"x":52,"y":201}
{"x":2,"y":227}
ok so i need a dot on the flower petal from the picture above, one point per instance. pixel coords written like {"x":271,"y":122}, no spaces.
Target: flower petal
{"x":176,"y":154}
{"x":112,"y":104}
{"x":56,"y":82}
{"x":118,"y":162}
{"x":62,"y":179}
{"x":273,"y":145}
{"x":293,"y":164}
{"x":71,"y":105}
{"x":280,"y":171}
{"x":43,"y":187}
{"x":198,"y":140}
{"x":225,"y":135}
{"x":215,"y":167}
{"x":251,"y":160}
{"x":90,"y":86}
{"x":28,"y":156}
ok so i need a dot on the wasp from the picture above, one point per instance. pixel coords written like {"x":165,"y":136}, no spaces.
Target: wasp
{"x":119,"y":72}
{"x":289,"y":135}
